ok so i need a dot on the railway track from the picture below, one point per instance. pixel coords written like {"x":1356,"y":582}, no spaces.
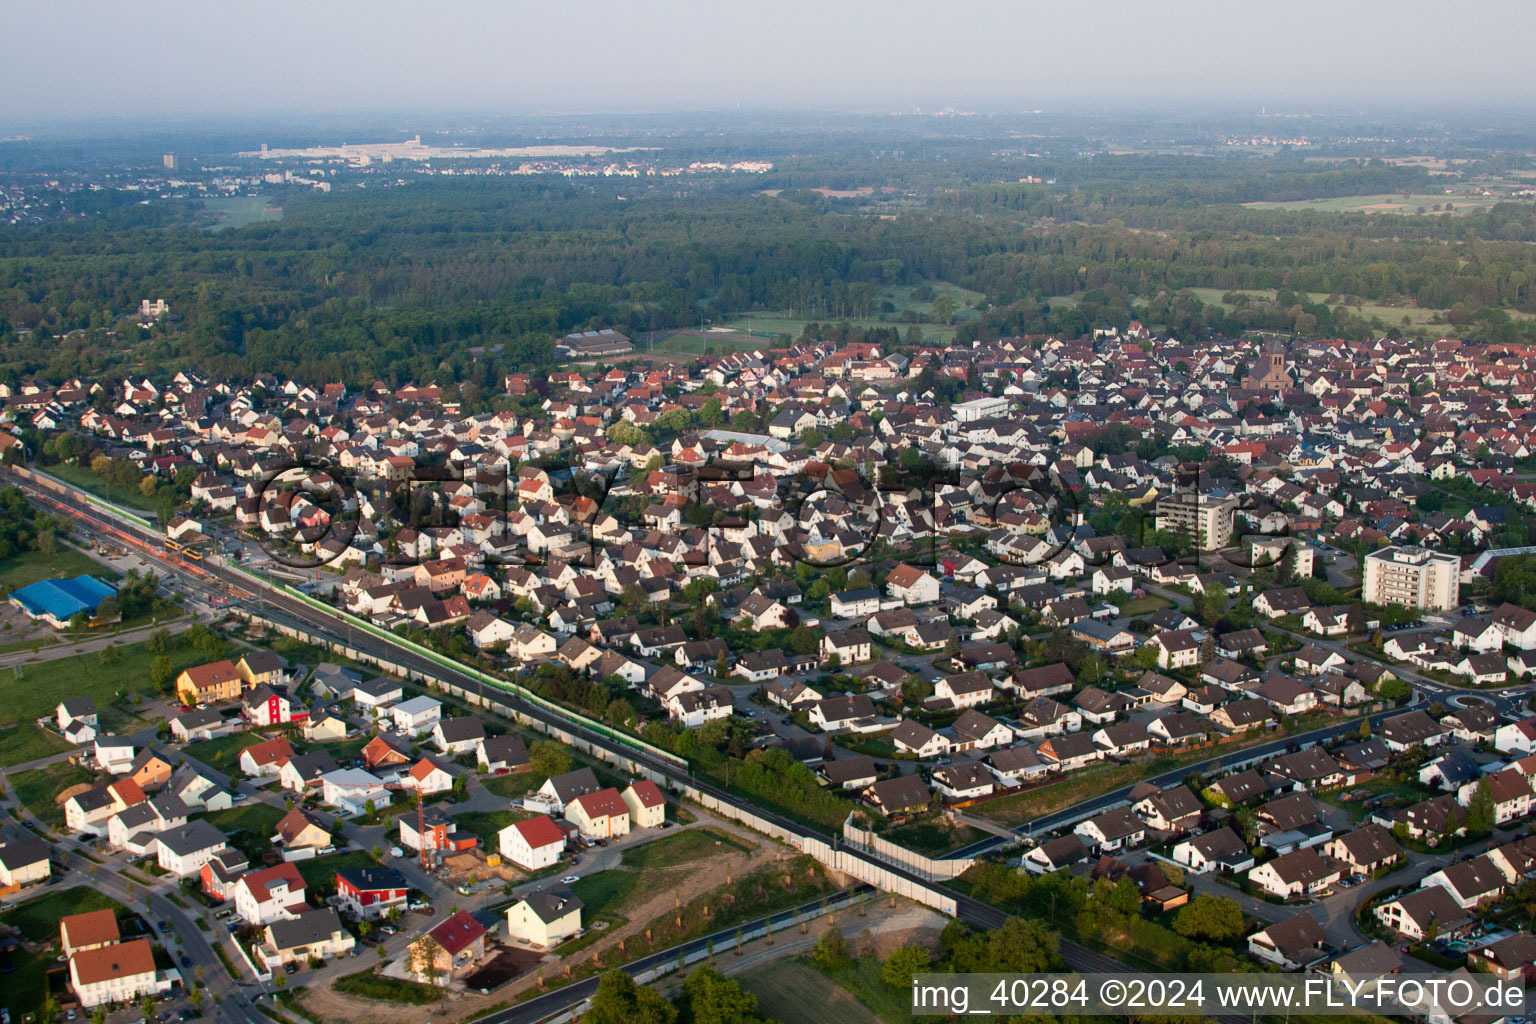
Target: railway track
{"x":335,"y":626}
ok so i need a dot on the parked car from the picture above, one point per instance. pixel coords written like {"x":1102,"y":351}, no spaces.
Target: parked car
{"x":570,"y":879}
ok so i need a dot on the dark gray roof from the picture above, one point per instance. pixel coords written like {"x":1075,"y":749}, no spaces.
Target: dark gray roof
{"x":306,"y":929}
{"x":23,"y":852}
{"x":552,"y":906}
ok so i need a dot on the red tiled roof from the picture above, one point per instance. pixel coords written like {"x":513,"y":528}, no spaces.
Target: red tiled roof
{"x":457,"y":933}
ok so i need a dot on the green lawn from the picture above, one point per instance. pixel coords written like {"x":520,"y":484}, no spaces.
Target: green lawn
{"x":933,"y":837}
{"x":862,"y":980}
{"x":681,"y":848}
{"x":27,"y":742}
{"x":1142,"y":605}
{"x":486,"y":824}
{"x":27,"y":986}
{"x":320,"y":872}
{"x":223,"y":753}
{"x":606,"y":892}
{"x":65,"y":562}
{"x":1403,"y":794}
{"x":83,"y":478}
{"x":512,"y":787}
{"x":38,"y":919}
{"x":38,"y":788}
{"x":249,"y":826}
{"x":36,"y":689}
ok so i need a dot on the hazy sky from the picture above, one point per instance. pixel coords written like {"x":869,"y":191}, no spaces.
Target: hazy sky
{"x":77,"y":59}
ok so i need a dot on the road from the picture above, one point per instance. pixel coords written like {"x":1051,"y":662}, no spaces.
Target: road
{"x":230,"y":1002}
{"x":214,"y":585}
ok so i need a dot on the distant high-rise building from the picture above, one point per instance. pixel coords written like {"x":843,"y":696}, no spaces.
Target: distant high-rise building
{"x":172,"y":162}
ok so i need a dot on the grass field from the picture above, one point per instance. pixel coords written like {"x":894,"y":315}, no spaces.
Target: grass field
{"x":1392,"y":315}
{"x":26,"y":742}
{"x":933,"y":837}
{"x":65,"y":562}
{"x":36,"y":689}
{"x":513,"y":787}
{"x":237,"y":212}
{"x":82,"y":477}
{"x":794,"y":990}
{"x":37,"y":789}
{"x":249,"y":826}
{"x":606,"y":892}
{"x":1388,"y":314}
{"x":38,"y":919}
{"x":486,"y":824}
{"x":681,"y":848}
{"x":1395,"y":203}
{"x":320,"y":872}
{"x":1143,"y":605}
{"x":223,"y":753}
{"x":762,"y":329}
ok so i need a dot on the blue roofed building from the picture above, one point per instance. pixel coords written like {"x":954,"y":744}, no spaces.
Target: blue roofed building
{"x":57,"y":601}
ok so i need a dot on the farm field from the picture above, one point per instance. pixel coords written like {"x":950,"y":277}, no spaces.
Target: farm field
{"x":1416,"y":316}
{"x":26,"y":742}
{"x":1397,"y":204}
{"x":64,"y":563}
{"x":37,"y":788}
{"x":36,"y":689}
{"x":795,"y":990}
{"x":238,"y":211}
{"x":38,"y":919}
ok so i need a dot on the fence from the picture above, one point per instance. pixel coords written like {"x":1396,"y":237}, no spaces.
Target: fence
{"x":482,"y":678}
{"x":938,"y":869}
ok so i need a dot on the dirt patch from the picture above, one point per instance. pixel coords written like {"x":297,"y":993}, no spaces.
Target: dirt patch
{"x":505,"y":964}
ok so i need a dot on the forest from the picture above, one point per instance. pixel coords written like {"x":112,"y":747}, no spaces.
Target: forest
{"x":399,"y":284}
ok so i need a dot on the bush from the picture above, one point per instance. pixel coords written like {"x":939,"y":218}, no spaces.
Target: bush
{"x":369,"y":985}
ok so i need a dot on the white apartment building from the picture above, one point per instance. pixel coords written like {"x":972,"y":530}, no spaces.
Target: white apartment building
{"x":1412,"y":576}
{"x":1206,"y":518}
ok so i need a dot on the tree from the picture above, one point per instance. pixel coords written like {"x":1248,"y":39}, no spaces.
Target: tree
{"x":162,"y":673}
{"x":424,"y":958}
{"x":944,"y":308}
{"x":1480,"y":810}
{"x":831,"y":949}
{"x":625,"y":432}
{"x":915,"y":689}
{"x":548,"y":758}
{"x":804,"y":640}
{"x":1028,"y":947}
{"x":902,"y":964}
{"x":1364,"y":732}
{"x":709,"y":998}
{"x":618,"y":1000}
{"x":1210,"y":918}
